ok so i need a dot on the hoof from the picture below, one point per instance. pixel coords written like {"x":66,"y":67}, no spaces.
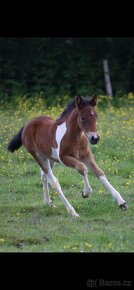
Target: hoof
{"x":85,"y":195}
{"x":73,"y":213}
{"x":51,"y":204}
{"x":123,"y":206}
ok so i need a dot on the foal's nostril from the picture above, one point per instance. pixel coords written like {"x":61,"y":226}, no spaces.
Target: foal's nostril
{"x":94,"y":140}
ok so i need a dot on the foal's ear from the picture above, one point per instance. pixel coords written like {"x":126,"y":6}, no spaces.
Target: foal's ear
{"x":94,"y":102}
{"x":78,"y":101}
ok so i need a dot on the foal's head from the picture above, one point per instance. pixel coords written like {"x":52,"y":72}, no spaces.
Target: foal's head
{"x":87,"y":118}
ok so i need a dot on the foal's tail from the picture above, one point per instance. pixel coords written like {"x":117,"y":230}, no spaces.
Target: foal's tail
{"x":15,"y":142}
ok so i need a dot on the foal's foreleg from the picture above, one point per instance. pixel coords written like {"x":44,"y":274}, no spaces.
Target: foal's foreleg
{"x":90,"y":162}
{"x":70,"y":161}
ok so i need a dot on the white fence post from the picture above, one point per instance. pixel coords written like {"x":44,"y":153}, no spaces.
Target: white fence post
{"x":107,"y":79}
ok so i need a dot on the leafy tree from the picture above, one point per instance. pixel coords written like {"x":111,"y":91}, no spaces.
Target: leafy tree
{"x":64,"y":66}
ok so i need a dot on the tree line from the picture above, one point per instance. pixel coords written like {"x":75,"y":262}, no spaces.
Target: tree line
{"x":64,"y":66}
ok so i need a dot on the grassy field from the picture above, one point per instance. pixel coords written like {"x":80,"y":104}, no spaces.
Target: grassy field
{"x":27,"y":225}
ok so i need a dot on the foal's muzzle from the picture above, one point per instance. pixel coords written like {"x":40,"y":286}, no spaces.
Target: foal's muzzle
{"x":94,"y":140}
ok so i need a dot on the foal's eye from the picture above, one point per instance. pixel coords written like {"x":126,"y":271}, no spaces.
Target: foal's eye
{"x":82,"y":118}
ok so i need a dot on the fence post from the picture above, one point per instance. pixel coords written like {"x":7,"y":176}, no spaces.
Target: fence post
{"x":107,"y":79}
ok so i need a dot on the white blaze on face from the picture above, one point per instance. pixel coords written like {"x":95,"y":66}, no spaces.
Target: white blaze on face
{"x":60,"y":132}
{"x":92,"y":134}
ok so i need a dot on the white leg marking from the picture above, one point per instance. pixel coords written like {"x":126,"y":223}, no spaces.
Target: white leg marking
{"x":56,"y":187}
{"x":60,"y":132}
{"x":87,"y":188}
{"x":47,"y":199}
{"x":114,"y":192}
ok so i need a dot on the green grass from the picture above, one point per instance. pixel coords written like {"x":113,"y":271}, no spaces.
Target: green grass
{"x":27,"y":225}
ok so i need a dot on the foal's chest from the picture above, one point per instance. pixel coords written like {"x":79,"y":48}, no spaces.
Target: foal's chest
{"x":59,"y":134}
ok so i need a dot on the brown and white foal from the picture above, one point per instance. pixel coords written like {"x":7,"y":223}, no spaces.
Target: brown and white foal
{"x":66,"y":141}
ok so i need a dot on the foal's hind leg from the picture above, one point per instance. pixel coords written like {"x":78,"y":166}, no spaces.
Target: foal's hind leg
{"x":90,"y":162}
{"x":45,"y":166}
{"x":56,"y":187}
{"x":47,"y":199}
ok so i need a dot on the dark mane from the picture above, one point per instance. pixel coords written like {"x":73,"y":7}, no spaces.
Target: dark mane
{"x":71,"y":105}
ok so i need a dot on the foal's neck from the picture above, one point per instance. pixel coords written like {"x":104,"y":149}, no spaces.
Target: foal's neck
{"x":72,"y":123}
